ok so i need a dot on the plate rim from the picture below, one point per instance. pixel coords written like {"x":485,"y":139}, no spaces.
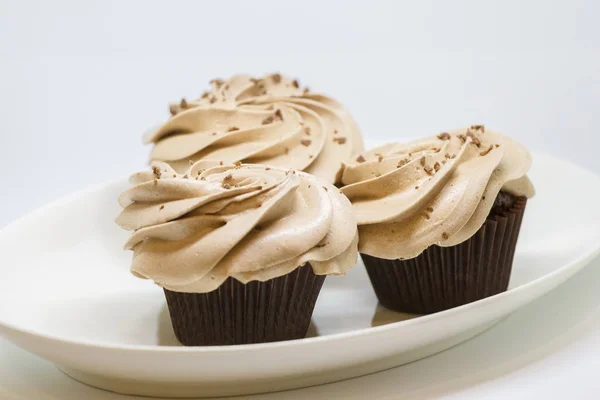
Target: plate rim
{"x":581,"y":261}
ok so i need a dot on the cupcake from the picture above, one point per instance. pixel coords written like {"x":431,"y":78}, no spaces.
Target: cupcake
{"x":439,"y":218}
{"x":272,"y":120}
{"x":241,"y":251}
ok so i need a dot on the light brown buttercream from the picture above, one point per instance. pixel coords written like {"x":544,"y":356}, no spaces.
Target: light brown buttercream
{"x":270,"y":121}
{"x":437,"y":190}
{"x":249,"y":222}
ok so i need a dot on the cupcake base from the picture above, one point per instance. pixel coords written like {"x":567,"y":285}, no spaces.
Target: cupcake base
{"x":445,"y":277}
{"x":256,"y":312}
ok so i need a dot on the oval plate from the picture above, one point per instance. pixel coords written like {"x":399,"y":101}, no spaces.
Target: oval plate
{"x":66,"y":294}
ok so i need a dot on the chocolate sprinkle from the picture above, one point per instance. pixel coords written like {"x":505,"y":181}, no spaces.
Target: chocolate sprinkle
{"x":268,"y":120}
{"x":485,"y":152}
{"x":474,"y":138}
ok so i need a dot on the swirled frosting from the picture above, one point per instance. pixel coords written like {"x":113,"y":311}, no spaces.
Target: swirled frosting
{"x":271,"y":121}
{"x":438,"y":190}
{"x":249,"y":222}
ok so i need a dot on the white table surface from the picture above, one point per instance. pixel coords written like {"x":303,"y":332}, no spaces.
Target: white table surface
{"x":80,"y":81}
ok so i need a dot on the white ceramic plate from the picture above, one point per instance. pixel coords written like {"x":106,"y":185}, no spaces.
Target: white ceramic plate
{"x":66,"y":295}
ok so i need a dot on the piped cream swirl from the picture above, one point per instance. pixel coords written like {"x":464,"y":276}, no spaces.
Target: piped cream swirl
{"x":271,"y":121}
{"x":249,"y":222}
{"x":437,"y":190}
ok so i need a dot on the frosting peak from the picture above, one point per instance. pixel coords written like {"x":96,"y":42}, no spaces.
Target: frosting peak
{"x":249,"y":222}
{"x":272,"y":121}
{"x":438,"y":190}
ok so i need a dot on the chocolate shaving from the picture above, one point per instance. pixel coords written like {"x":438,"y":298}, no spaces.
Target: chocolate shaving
{"x":268,"y":120}
{"x":485,"y":152}
{"x":205,"y":95}
{"x":307,"y":131}
{"x":279,"y":115}
{"x":220,"y":162}
{"x":296,"y":83}
{"x":478,"y":128}
{"x":425,"y":215}
{"x":217,"y":82}
{"x":335,"y":131}
{"x":462,"y":138}
{"x":310,"y":156}
{"x":173,"y":109}
{"x":156,"y":171}
{"x":402,"y":163}
{"x":306,"y":90}
{"x":324,"y":244}
{"x":213,"y":100}
{"x":474,"y":138}
{"x":497,"y":145}
{"x":305,"y":142}
{"x":229,"y":177}
{"x":214,"y":133}
{"x":237,"y":164}
{"x":422,"y":161}
{"x":444,"y":136}
{"x":276,"y":78}
{"x":325,"y":187}
{"x":428,"y":169}
{"x":233,"y":129}
{"x":360,"y":159}
{"x":437,"y":166}
{"x":287,"y":150}
{"x":185,"y":176}
{"x":445,"y":236}
{"x":380,"y":158}
{"x":161,"y":207}
{"x":183,"y":104}
{"x":267,"y":169}
{"x":225,"y":185}
{"x":174,"y":175}
{"x":416,"y":187}
{"x":340,"y":140}
{"x":430,"y":209}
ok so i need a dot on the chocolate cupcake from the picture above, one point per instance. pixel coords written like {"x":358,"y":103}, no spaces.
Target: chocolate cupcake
{"x":439,"y":218}
{"x":272,"y":120}
{"x":241,"y":251}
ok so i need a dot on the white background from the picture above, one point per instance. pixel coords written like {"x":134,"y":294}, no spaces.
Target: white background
{"x":80,"y":81}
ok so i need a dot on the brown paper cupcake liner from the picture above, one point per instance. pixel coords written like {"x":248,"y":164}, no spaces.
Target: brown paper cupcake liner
{"x":256,"y":312}
{"x":445,"y":277}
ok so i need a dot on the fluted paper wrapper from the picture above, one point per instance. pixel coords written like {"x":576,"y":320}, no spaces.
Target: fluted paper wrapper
{"x":445,"y":277}
{"x":256,"y":312}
